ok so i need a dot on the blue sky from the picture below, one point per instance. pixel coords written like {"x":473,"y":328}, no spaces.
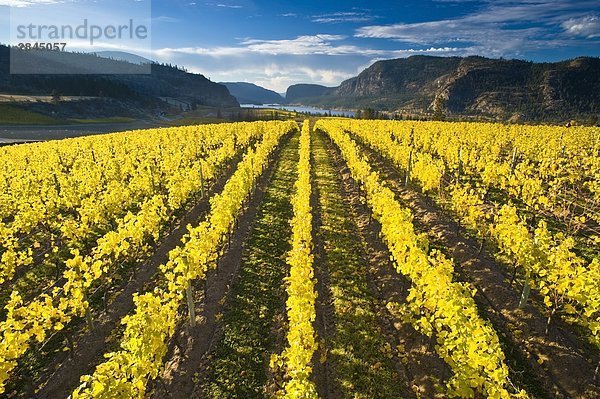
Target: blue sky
{"x":276,"y":44}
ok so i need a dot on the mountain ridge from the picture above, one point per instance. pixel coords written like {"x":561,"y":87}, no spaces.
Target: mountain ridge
{"x":472,"y":86}
{"x":299,"y":92}
{"x":250,"y":93}
{"x":133,"y":89}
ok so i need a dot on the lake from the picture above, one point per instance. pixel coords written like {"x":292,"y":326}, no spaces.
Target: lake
{"x":303,"y":109}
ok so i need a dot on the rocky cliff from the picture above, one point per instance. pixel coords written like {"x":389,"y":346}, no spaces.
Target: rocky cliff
{"x":496,"y":88}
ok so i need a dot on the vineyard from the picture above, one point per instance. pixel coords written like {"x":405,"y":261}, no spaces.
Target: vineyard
{"x":334,"y":258}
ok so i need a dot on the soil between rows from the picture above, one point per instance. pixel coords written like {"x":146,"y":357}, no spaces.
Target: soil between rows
{"x":225,"y":355}
{"x":251,"y":325}
{"x":426,"y":371}
{"x":368,"y":353}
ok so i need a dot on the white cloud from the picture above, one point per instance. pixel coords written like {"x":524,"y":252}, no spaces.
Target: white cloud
{"x":301,"y":45}
{"x":327,"y":77}
{"x":276,"y":77}
{"x":339,"y":20}
{"x":501,"y":27}
{"x":455,"y":35}
{"x":164,"y":18}
{"x":316,"y":45}
{"x":430,"y":51}
{"x":217,"y":52}
{"x":588,"y":26}
{"x":343,"y":17}
{"x":27,"y":3}
{"x":224,"y":5}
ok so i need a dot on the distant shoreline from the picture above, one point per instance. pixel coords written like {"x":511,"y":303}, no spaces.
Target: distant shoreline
{"x":302,"y":109}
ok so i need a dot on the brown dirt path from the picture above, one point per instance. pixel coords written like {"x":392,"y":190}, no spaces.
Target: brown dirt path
{"x":190,"y":346}
{"x":358,"y":274}
{"x":426,"y":371}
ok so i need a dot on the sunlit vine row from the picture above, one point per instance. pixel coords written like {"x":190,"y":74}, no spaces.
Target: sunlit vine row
{"x":568,"y":285}
{"x":126,"y":372}
{"x":437,"y":305}
{"x":548,"y":168}
{"x":60,"y":197}
{"x":566,"y":282}
{"x":135,"y":232}
{"x":301,"y":285}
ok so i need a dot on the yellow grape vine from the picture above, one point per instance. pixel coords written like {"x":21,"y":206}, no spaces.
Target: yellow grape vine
{"x":125,"y":372}
{"x":438,"y":305}
{"x":301,"y":285}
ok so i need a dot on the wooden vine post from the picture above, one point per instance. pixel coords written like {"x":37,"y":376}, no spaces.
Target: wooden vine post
{"x":459,"y":168}
{"x":88,"y":313}
{"x":189,"y":293}
{"x":410,"y":156}
{"x":513,"y":163}
{"x":408,"y":168}
{"x":525,"y":293}
{"x":202,"y":193}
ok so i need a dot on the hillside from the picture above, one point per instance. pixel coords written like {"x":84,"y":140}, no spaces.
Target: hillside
{"x":139,"y":92}
{"x":497,"y":88}
{"x":123,"y":56}
{"x":249,"y":93}
{"x":301,"y":92}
